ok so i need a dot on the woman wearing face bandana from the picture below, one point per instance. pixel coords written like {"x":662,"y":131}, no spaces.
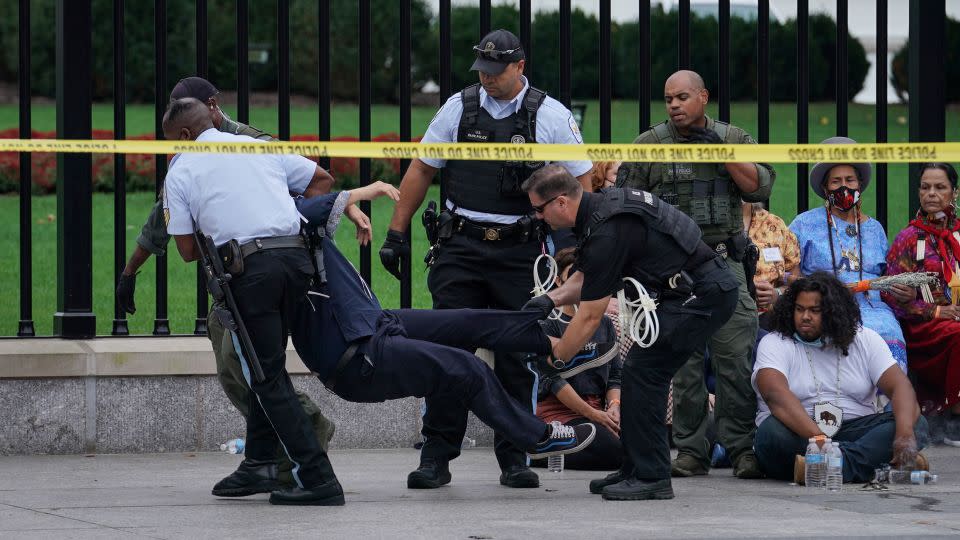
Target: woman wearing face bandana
{"x":931,"y":322}
{"x":841,"y":239}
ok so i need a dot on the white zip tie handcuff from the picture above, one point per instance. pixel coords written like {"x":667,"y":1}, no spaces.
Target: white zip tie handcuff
{"x":638,"y":317}
{"x":541,"y":287}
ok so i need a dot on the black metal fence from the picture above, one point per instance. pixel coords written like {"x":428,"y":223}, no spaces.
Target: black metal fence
{"x":74,"y":317}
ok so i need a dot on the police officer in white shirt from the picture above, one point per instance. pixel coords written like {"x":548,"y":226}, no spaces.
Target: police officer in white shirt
{"x":489,"y":241}
{"x":244,"y":198}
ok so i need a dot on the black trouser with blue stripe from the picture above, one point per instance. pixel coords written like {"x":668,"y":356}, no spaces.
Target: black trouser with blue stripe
{"x":266,"y":292}
{"x":423,"y":353}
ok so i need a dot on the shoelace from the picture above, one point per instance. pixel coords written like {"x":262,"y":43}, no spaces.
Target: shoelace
{"x":561,"y":431}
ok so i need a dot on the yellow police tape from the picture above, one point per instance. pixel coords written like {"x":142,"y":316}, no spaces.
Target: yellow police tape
{"x":768,"y":153}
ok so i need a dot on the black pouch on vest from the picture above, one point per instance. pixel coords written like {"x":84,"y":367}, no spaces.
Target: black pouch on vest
{"x":511,"y":178}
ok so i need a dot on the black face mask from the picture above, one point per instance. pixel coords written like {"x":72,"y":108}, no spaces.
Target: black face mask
{"x":844,"y":198}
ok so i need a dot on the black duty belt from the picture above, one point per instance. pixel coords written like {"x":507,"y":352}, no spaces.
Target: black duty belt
{"x":348,"y":355}
{"x":490,"y":232}
{"x":273,"y":242}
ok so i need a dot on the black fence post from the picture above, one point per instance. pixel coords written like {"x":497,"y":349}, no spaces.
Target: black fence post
{"x":841,"y":71}
{"x":446,"y":74}
{"x":74,"y":317}
{"x":566,"y":54}
{"x":120,"y":327}
{"x":763,"y":71}
{"x":243,"y":61}
{"x":683,"y":35}
{"x":200,"y":324}
{"x":881,"y":109}
{"x":606,"y":71}
{"x":928,"y":98}
{"x":644,"y":92}
{"x":526,"y":32}
{"x":803,"y":99}
{"x":283,"y":69}
{"x":365,"y":64}
{"x":161,"y":325}
{"x":323,"y":72}
{"x":25,"y":326}
{"x":723,"y":57}
{"x":484,"y":18}
{"x":406,"y":84}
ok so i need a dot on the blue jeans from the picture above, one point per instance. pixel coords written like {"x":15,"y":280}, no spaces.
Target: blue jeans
{"x":866,"y":444}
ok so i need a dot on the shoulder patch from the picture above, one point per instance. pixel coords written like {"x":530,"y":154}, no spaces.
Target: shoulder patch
{"x":575,"y":129}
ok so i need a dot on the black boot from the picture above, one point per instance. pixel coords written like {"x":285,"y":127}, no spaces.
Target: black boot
{"x":597,"y":484}
{"x":634,"y":489}
{"x":519,"y":476}
{"x":326,"y":494}
{"x":432,"y":473}
{"x":251,"y":477}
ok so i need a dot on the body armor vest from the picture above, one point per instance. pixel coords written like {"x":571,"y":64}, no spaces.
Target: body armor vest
{"x":493,"y":186}
{"x":703,"y":191}
{"x":672,"y":237}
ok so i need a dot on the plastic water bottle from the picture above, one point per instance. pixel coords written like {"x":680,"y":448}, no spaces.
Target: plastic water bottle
{"x":813,"y":467}
{"x":555,"y":464}
{"x":468,"y":442}
{"x":834,"y":468}
{"x":912,"y":477}
{"x":234,"y":446}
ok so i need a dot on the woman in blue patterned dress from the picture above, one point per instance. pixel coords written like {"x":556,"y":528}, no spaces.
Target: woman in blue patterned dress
{"x":840,"y":238}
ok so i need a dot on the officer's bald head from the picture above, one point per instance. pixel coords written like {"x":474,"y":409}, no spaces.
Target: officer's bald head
{"x":685,"y":77}
{"x":186,"y":119}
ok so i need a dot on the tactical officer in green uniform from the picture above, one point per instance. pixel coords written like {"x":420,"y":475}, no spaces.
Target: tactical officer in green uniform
{"x":153,"y":240}
{"x":710,"y":193}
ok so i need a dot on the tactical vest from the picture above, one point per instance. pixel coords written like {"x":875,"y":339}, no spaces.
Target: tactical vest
{"x":672,"y":237}
{"x":493,"y":186}
{"x":703,"y":191}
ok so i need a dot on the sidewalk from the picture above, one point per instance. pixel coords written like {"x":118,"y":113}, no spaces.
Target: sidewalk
{"x":168,"y":496}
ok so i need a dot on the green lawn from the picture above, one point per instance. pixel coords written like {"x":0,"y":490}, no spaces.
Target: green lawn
{"x":344,"y":122}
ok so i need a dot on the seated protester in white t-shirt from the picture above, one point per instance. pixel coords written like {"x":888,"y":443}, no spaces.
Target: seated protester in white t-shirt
{"x":817,"y":375}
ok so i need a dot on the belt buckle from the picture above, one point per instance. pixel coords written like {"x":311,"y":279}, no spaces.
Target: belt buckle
{"x":491,"y":234}
{"x":721,"y":250}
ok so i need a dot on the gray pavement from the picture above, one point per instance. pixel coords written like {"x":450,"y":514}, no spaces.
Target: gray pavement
{"x":168,"y":496}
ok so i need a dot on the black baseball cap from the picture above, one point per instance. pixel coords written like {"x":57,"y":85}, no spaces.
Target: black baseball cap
{"x":195,"y":87}
{"x":496,"y":50}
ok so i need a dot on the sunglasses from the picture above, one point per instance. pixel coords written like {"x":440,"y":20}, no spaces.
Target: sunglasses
{"x":538,"y":208}
{"x":491,"y":54}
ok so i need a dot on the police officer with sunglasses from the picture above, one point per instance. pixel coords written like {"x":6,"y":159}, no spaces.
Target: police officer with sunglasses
{"x":484,"y":239}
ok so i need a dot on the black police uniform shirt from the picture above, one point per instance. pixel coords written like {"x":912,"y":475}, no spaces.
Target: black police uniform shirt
{"x":618,"y":247}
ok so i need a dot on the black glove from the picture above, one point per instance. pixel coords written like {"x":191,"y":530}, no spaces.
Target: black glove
{"x":125,"y":289}
{"x":703,"y":136}
{"x":543,"y":303}
{"x":395,"y":248}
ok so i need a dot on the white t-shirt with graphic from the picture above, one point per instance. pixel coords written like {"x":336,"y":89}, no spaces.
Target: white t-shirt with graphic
{"x":859,"y":372}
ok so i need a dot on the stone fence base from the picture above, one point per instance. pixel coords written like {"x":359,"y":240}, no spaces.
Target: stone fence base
{"x":132,"y":395}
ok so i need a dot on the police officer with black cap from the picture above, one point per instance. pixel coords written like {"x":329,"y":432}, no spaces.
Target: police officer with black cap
{"x":487,"y":242}
{"x":690,"y":293}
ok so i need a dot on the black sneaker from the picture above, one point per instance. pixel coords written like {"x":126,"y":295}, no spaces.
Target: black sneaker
{"x":519,"y":476}
{"x":590,"y":356}
{"x":432,"y":473}
{"x":564,"y":440}
{"x":250,"y":478}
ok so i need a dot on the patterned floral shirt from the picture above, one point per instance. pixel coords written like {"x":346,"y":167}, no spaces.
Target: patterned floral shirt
{"x":902,"y":257}
{"x":779,"y":249}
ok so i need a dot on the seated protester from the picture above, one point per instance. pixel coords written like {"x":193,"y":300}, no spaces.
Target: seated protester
{"x":816,"y":375}
{"x":590,"y":396}
{"x":931,"y":323}
{"x":365,"y":354}
{"x":779,"y":261}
